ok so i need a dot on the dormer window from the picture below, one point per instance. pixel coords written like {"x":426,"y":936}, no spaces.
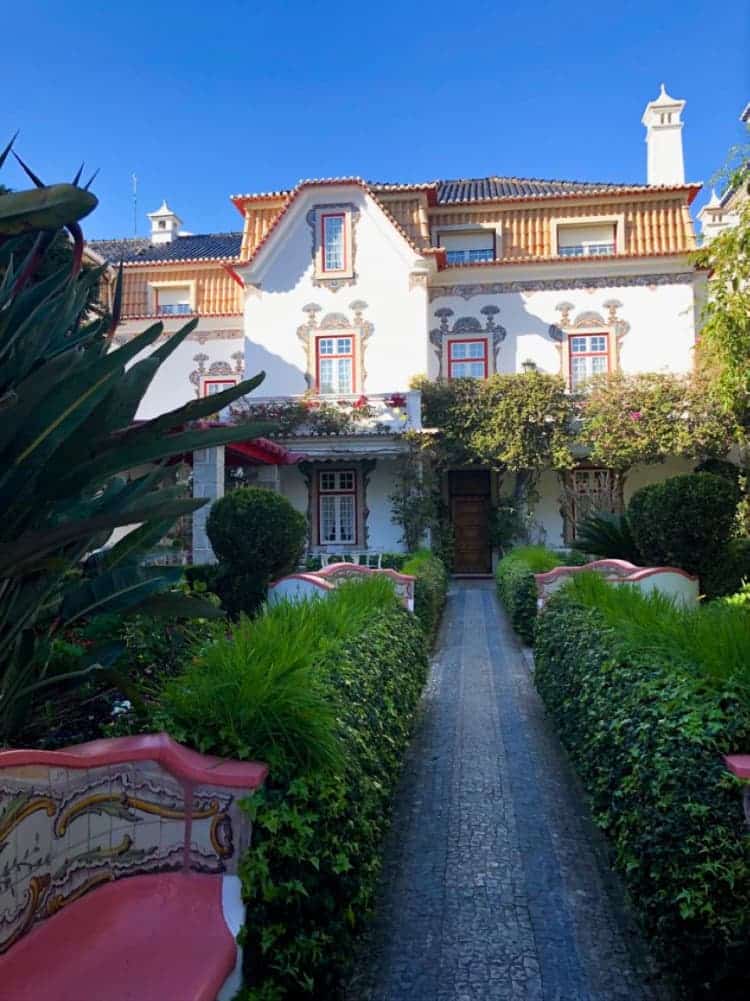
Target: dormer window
{"x":334,"y":248}
{"x":333,"y":241}
{"x":474,"y":245}
{"x":172,"y":298}
{"x":592,"y":240}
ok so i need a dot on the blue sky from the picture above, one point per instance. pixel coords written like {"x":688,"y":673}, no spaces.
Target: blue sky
{"x":204,"y":100}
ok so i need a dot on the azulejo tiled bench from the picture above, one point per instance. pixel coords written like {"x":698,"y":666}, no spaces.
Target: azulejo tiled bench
{"x":301,"y":586}
{"x":118,"y":872}
{"x":670,"y":581}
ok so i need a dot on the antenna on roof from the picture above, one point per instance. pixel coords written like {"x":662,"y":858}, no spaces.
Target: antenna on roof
{"x":135,"y":205}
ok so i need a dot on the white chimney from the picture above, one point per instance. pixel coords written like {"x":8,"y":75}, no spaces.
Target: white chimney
{"x":666,"y":164}
{"x":165,"y":225}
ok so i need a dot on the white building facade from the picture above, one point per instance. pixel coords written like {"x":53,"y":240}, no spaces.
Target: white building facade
{"x":349,"y":290}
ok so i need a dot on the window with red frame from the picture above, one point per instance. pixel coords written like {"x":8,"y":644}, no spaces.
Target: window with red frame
{"x":335,"y":363}
{"x":213,"y":386}
{"x":333,"y":241}
{"x":467,"y":359}
{"x":589,"y":356}
{"x":337,"y":506}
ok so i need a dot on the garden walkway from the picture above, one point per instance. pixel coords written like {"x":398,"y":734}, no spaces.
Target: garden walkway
{"x":494,"y":887}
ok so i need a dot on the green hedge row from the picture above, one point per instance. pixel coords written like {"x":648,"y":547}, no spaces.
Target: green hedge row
{"x":430,"y":589}
{"x":516,"y":586}
{"x":647,"y":738}
{"x":311,"y":874}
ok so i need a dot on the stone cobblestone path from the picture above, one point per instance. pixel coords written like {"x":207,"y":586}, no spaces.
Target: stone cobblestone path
{"x":493,"y":886}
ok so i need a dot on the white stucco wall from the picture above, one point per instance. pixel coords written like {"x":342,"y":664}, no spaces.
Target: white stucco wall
{"x":660,"y":318}
{"x":284,"y":272}
{"x":383,"y":534}
{"x":215,"y":338}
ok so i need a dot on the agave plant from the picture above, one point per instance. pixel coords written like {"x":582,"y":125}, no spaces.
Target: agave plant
{"x":68,"y":436}
{"x":608,"y":536}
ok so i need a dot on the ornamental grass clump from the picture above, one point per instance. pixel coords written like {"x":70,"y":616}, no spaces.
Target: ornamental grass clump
{"x":326,"y":691}
{"x":256,"y":693}
{"x":712,"y":640}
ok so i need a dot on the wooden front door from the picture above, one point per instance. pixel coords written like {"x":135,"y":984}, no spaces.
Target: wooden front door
{"x":470,"y":513}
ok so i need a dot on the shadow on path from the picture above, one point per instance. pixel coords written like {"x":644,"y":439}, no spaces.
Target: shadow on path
{"x":493,"y":887}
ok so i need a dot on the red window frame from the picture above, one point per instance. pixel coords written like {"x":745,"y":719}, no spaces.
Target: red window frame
{"x":462,"y":361}
{"x":323,"y":268}
{"x":337,"y":493}
{"x":587,"y":354}
{"x":334,"y":336}
{"x":224,"y":381}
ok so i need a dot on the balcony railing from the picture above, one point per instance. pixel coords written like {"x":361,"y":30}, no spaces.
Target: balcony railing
{"x":175,"y":309}
{"x":469,"y":256}
{"x":587,"y":250}
{"x":371,"y":413}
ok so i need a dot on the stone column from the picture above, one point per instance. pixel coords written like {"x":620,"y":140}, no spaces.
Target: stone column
{"x":208,"y":481}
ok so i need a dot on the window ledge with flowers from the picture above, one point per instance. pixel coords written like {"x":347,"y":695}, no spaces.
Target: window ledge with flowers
{"x":352,"y":414}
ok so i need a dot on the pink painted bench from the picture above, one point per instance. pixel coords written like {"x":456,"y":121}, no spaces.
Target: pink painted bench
{"x":118,"y":872}
{"x":301,"y":586}
{"x":670,"y":581}
{"x":739,"y":765}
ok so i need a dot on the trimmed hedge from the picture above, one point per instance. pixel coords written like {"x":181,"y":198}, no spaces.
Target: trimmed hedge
{"x":516,"y":586}
{"x":647,"y":738}
{"x":685,"y":521}
{"x":310,"y":876}
{"x":257,"y":535}
{"x":430,"y":589}
{"x":311,"y":873}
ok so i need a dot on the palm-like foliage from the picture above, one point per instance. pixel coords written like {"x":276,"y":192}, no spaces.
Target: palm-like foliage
{"x":68,"y":401}
{"x":608,"y":536}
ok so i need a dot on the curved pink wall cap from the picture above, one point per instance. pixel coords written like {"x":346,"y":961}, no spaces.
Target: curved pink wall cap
{"x":183,"y":763}
{"x":309,"y":578}
{"x":739,"y":764}
{"x":650,"y":571}
{"x":333,"y":568}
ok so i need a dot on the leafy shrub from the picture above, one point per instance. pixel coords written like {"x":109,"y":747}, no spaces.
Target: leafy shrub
{"x":310,"y":876}
{"x":256,"y":535}
{"x":430,"y":589}
{"x":685,"y":521}
{"x":607,"y":536}
{"x":647,"y":738}
{"x":728,"y":570}
{"x":516,"y":586}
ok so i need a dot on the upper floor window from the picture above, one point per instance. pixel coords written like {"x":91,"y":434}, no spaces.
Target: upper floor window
{"x":335,"y":364}
{"x":172,"y":299}
{"x":589,"y":356}
{"x":471,"y":246}
{"x":213,"y":386}
{"x":333,"y":241}
{"x":467,"y":359}
{"x":337,"y":506}
{"x":586,"y":241}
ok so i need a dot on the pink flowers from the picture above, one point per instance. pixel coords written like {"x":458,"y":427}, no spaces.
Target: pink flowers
{"x":635,"y":415}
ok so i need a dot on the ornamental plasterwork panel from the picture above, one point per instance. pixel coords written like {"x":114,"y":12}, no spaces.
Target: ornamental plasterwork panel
{"x":439,"y":336}
{"x":559,"y":284}
{"x":216,"y":368}
{"x":589,"y":319}
{"x":200,"y":336}
{"x":360,"y":328}
{"x":340,"y":281}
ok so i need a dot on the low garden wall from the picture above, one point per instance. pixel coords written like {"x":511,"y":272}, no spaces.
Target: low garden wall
{"x":647,"y":735}
{"x":672,"y":582}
